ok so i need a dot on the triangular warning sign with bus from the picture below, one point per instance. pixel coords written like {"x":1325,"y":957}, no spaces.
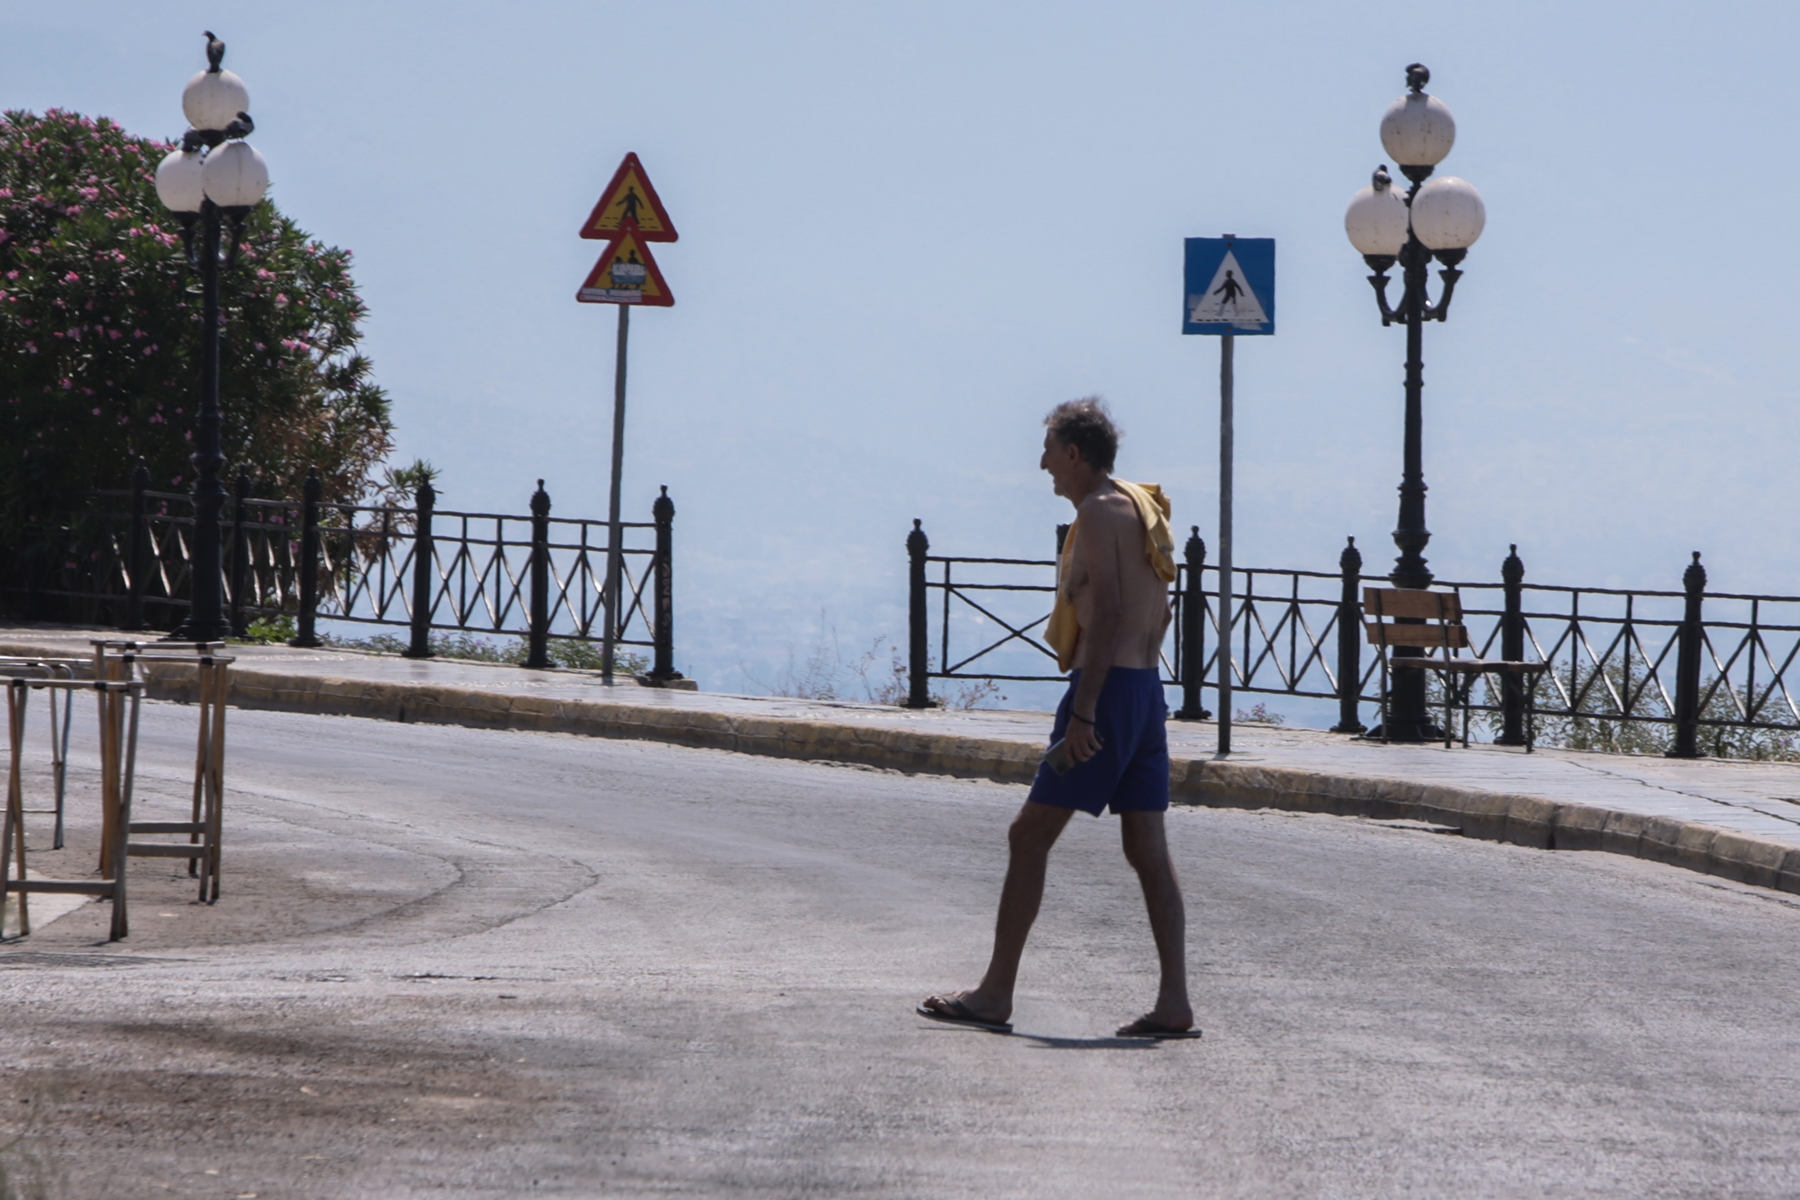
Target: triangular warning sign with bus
{"x":626,"y":274}
{"x":629,"y":201}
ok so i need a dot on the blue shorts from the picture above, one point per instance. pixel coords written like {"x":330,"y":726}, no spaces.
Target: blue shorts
{"x":1131,"y":771}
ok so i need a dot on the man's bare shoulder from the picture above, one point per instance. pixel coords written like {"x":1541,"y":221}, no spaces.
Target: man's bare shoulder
{"x":1109,"y":508}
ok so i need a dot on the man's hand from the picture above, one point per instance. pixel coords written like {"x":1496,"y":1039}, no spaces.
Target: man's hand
{"x":1080,"y":738}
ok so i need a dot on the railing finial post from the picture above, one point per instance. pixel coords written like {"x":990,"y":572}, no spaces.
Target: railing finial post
{"x":662,"y":670}
{"x":311,"y":492}
{"x":137,"y":548}
{"x":1512,"y":649}
{"x":1350,"y":640}
{"x":423,"y":568}
{"x":240,"y":550}
{"x":539,"y":656}
{"x":1687,"y":667}
{"x":919,"y":668}
{"x":1193,"y":628}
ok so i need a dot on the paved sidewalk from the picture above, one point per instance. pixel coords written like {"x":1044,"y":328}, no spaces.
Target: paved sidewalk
{"x":1738,"y":819}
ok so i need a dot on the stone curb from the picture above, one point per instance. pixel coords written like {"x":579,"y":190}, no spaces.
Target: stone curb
{"x":1493,"y":816}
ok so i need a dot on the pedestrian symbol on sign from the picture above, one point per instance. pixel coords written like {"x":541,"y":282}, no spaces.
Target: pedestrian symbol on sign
{"x":1228,"y":300}
{"x":630,"y":202}
{"x":1230,"y":290}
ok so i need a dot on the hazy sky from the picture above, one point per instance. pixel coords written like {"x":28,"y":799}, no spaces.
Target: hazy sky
{"x":907,"y":230}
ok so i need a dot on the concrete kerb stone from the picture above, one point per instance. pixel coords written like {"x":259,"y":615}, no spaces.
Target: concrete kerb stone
{"x":1521,"y":820}
{"x":1787,"y":877}
{"x":1579,"y":827}
{"x":1747,"y":859}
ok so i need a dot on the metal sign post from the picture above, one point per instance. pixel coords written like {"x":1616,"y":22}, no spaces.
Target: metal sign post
{"x":614,"y":531}
{"x":628,"y":217}
{"x":1226,"y":345}
{"x":1230,"y":290}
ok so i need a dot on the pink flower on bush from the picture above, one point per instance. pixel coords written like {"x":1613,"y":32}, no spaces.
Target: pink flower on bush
{"x":71,"y":277}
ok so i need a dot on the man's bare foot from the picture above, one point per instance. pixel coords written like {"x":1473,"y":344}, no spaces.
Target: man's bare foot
{"x":1150,"y":1025}
{"x":967,"y":1005}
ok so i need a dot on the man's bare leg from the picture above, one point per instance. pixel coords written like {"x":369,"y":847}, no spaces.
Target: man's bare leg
{"x":1034,"y":831}
{"x":1147,"y":850}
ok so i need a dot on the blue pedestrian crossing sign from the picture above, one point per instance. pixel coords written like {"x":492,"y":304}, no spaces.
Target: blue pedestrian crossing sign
{"x":1230,"y":286}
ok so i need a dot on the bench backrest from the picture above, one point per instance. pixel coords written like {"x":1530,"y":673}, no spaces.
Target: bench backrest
{"x":1415,"y":603}
{"x":1411,"y":605}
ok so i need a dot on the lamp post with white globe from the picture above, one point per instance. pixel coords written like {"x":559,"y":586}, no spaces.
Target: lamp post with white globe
{"x":214,"y":178}
{"x":1441,"y":220}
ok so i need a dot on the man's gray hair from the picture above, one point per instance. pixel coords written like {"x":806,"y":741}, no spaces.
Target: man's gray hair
{"x":1086,"y":425}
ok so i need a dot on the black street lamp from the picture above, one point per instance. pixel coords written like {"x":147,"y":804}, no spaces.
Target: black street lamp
{"x":1439,"y":219}
{"x":215,"y":177}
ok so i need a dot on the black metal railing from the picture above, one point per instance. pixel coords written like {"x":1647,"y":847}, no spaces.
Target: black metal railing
{"x":532,"y":576}
{"x":1685,"y":671}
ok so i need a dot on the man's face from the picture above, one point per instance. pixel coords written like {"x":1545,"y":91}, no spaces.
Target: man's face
{"x":1062,"y":461}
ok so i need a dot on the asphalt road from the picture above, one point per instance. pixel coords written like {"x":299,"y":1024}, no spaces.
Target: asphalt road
{"x":452,"y":962}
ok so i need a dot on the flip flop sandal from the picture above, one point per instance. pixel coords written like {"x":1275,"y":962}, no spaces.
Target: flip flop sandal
{"x":1144,"y":1027}
{"x":958,"y":1013}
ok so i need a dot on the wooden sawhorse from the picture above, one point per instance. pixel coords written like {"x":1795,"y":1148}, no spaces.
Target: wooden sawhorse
{"x":206,"y":826}
{"x":119,"y":702}
{"x":52,"y":668}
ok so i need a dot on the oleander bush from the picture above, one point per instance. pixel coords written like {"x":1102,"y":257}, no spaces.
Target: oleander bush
{"x":100,"y":335}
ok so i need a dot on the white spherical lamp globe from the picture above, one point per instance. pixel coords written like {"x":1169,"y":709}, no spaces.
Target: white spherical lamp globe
{"x":1376,"y":221}
{"x":1417,"y":130}
{"x":178,"y":181}
{"x":235,"y":175}
{"x":1448,"y":214}
{"x":213,"y":99}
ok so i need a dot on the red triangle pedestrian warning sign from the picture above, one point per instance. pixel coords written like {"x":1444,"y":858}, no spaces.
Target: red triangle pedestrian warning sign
{"x":629,"y":201}
{"x":626,"y":274}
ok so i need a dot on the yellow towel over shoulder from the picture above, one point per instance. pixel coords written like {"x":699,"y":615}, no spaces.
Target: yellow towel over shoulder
{"x":1064,"y":631}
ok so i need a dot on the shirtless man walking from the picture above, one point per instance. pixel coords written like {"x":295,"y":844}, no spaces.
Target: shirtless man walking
{"x":1112,"y":609}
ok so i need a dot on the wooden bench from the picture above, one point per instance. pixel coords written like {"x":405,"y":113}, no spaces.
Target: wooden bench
{"x":1432,"y":622}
